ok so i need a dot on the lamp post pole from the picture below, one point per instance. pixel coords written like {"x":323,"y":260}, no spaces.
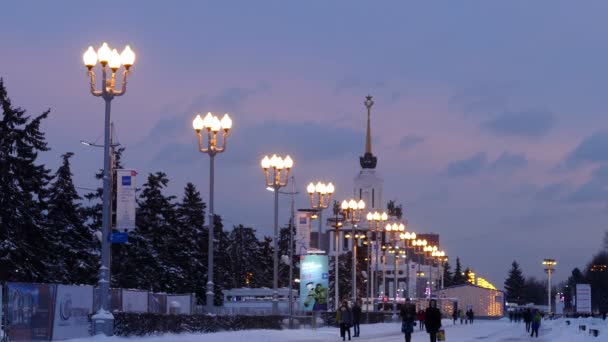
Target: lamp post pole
{"x":395,"y":231}
{"x":276,"y":180}
{"x":109,"y":59}
{"x":208,"y":143}
{"x":319,"y":202}
{"x":376,"y":219}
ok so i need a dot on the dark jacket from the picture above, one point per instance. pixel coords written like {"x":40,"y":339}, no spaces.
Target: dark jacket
{"x":356,"y":314}
{"x":408,"y":313}
{"x":432,"y":319}
{"x":346,"y":315}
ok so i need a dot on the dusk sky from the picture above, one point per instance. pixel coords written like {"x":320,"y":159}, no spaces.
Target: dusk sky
{"x":489,"y":124}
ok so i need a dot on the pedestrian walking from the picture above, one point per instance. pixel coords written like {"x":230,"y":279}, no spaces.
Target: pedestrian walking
{"x":470,"y":315}
{"x":357,"y":312}
{"x":455,"y":315}
{"x":432,"y":320}
{"x":408,"y":319}
{"x":527,"y":315}
{"x":421,"y":319}
{"x":345,"y":319}
{"x":535,"y":324}
{"x":461,"y":315}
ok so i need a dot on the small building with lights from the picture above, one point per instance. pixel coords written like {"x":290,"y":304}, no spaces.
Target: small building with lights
{"x":486,"y":302}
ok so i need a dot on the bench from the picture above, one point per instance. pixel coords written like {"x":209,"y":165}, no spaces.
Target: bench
{"x":594,"y":332}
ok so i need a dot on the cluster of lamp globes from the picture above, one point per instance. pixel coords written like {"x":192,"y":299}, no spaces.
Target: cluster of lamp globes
{"x":353,"y":205}
{"x":109,"y":57}
{"x":395,"y":227}
{"x":320,"y":188}
{"x":439,"y":254}
{"x":212,"y":123}
{"x":376,"y":216}
{"x":277,"y":163}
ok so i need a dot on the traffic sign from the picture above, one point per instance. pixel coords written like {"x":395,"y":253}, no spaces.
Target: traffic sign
{"x":119,"y":237}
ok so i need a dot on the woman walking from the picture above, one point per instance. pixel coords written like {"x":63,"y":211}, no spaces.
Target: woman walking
{"x":432,"y":320}
{"x":421,"y":319}
{"x":535,"y":324}
{"x":408,"y":319}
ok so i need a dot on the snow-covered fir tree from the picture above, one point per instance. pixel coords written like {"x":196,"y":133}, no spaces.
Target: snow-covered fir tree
{"x":71,"y":247}
{"x":23,"y":184}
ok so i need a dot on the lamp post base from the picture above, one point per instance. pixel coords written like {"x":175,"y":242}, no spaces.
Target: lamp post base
{"x":103,"y":323}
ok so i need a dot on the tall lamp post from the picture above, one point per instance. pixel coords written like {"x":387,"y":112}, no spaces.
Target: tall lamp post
{"x":336,"y":224}
{"x":408,"y":237}
{"x":352,"y":211}
{"x":375,"y":219}
{"x":549,"y":268}
{"x":320,"y":201}
{"x":394,"y":231}
{"x":111,"y":61}
{"x":276,"y":171}
{"x":212,"y":127}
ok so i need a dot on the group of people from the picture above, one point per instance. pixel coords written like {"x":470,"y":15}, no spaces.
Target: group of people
{"x":531,"y":318}
{"x":429,"y":319}
{"x":465,"y":317}
{"x":347,"y":317}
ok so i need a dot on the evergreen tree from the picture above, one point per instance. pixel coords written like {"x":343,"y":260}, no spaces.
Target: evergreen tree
{"x":266,"y":262}
{"x":458,"y":278}
{"x":244,"y":252}
{"x":223,"y":279}
{"x":71,"y":246}
{"x":447,"y":275}
{"x":284,"y":255}
{"x":23,"y":182}
{"x":535,"y":291}
{"x":597,"y":276}
{"x":192,"y":255}
{"x":515,"y":285}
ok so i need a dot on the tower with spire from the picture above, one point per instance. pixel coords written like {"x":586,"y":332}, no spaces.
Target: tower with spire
{"x":367,"y":184}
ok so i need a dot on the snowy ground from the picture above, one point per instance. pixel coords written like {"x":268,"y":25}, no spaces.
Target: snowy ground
{"x":550,"y":331}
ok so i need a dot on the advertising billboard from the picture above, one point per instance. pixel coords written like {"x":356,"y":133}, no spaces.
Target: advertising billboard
{"x":314,"y":282}
{"x":583,"y":298}
{"x":114,"y":298}
{"x":30,"y":311}
{"x":303,"y":228}
{"x":125,"y":199}
{"x":73,"y":305}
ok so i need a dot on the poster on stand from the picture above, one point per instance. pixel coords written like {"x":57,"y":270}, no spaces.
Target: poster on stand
{"x":134,"y":301}
{"x":583,"y":298}
{"x":125,"y":199}
{"x":314,"y":282}
{"x":30,"y":311}
{"x":73,"y":305}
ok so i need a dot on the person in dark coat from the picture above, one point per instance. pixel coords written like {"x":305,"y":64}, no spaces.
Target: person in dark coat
{"x":356,"y":317}
{"x":345,"y":318}
{"x":470,"y":315}
{"x":421,"y":319}
{"x":527,"y":315}
{"x":535,"y":323}
{"x":455,"y":315}
{"x":432,"y":320}
{"x":408,"y":319}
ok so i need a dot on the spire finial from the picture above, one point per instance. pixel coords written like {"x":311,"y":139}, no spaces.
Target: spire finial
{"x":368,"y":161}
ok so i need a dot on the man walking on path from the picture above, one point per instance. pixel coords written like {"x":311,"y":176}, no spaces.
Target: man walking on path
{"x":432,"y":320}
{"x":344,"y":317}
{"x":408,"y":319}
{"x":528,"y":319}
{"x":356,"y":317}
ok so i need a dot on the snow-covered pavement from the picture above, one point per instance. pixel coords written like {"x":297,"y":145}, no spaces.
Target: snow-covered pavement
{"x":502,"y":330}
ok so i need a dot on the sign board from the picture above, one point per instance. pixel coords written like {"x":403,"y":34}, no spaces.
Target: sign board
{"x":314,"y":282}
{"x":119,"y":237}
{"x":134,"y":301}
{"x":30,"y":311}
{"x":73,"y":305}
{"x":125,"y":199}
{"x":583,"y":298}
{"x":303,"y":228}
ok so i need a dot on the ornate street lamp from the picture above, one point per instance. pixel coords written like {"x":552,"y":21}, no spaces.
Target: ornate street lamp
{"x":207,"y":132}
{"x":352,"y":211}
{"x":549,"y":268}
{"x":319,"y":202}
{"x":276,"y":171}
{"x":111,"y":62}
{"x":394,"y":232}
{"x":375,"y":219}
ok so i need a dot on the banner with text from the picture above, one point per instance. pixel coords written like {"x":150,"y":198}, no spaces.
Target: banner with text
{"x":73,"y":306}
{"x":303,"y":228}
{"x":583,"y":298}
{"x":314,"y":282}
{"x":125,"y":199}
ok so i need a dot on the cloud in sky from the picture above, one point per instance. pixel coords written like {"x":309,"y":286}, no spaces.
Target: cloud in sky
{"x":508,"y":161}
{"x":528,"y":124}
{"x":466,"y":167}
{"x":410,"y":141}
{"x":591,"y":149}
